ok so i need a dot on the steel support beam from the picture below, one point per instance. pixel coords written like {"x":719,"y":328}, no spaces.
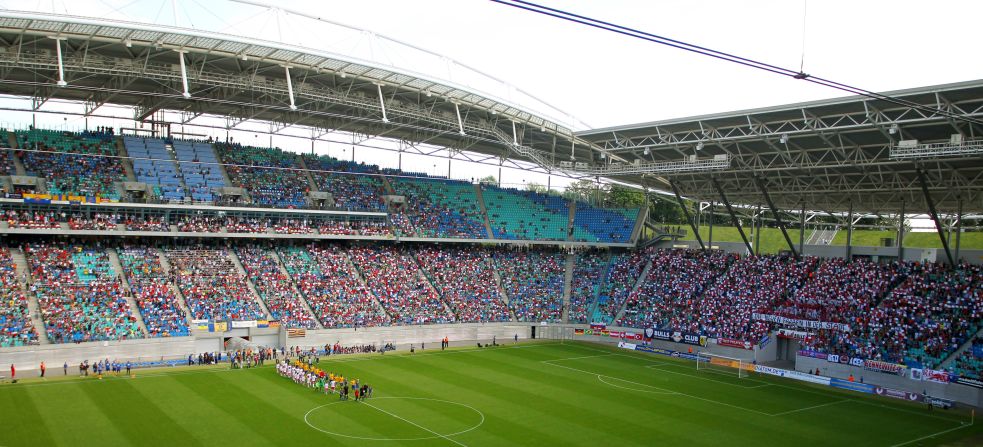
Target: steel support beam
{"x":689,"y":218}
{"x":901,"y":233}
{"x":382,"y":103}
{"x":959,"y":228}
{"x":733,"y":217}
{"x":710,"y":236}
{"x":802,"y":229}
{"x":778,"y":217}
{"x":61,"y":64}
{"x":935,"y":216}
{"x":290,"y":87}
{"x":184,"y":75}
{"x":849,"y":234}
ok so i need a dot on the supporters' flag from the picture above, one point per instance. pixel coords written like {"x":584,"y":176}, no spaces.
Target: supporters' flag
{"x":296,"y":333}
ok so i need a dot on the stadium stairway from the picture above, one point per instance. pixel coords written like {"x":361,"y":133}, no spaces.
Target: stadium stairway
{"x":361,"y":281}
{"x":573,"y":213}
{"x":18,"y":164}
{"x":164,"y":264}
{"x":501,"y":290}
{"x":309,"y":177}
{"x":125,"y":161}
{"x":33,"y":308}
{"x":643,"y":213}
{"x":293,"y":285}
{"x":949,"y":359}
{"x":484,"y":211}
{"x":433,"y":286}
{"x":249,"y":283}
{"x":567,"y":286}
{"x":638,"y":283}
{"x":127,"y":292}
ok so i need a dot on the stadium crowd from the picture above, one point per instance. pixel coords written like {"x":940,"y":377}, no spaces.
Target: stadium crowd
{"x":274,"y":287}
{"x":464,"y":278}
{"x":211,"y":285}
{"x":394,"y":277}
{"x":533,"y":282}
{"x":328,"y":280}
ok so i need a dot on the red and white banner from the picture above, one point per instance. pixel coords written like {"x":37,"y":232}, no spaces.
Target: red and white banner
{"x":936,"y":376}
{"x":735,"y":343}
{"x":625,"y":335}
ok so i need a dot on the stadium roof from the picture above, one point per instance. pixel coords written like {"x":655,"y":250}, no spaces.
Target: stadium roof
{"x":828,"y":155}
{"x":137,"y":64}
{"x":825,"y":154}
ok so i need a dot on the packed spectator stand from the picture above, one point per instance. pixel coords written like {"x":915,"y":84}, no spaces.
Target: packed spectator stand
{"x":533,"y":282}
{"x":464,"y":278}
{"x":589,"y":268}
{"x":79,"y":295}
{"x":212,"y":287}
{"x":328,"y":280}
{"x":272,"y":177}
{"x":16,"y":327}
{"x":274,"y":287}
{"x":159,"y":307}
{"x":393,"y":276}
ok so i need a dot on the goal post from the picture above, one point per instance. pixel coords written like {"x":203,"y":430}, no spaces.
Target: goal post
{"x":710,"y":362}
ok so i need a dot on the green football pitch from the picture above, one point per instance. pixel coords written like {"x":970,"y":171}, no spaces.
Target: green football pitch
{"x":544,"y":394}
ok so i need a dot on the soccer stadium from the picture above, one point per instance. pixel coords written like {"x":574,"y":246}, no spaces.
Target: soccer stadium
{"x":241,"y":223}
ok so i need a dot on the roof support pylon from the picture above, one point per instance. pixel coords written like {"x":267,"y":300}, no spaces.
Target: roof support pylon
{"x":184,"y":75}
{"x":689,"y":219}
{"x":460,"y":122}
{"x":733,"y":217}
{"x":778,"y":217}
{"x":935,"y":216}
{"x":382,"y":103}
{"x":290,"y":88}
{"x":61,"y":64}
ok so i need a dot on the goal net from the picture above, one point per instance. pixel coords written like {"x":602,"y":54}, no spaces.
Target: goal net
{"x":720,"y":364}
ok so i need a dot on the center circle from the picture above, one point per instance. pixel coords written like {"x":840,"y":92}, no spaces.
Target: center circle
{"x":308,"y":419}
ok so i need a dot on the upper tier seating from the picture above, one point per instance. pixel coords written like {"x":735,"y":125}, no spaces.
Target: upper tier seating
{"x":515,"y":214}
{"x":330,"y":283}
{"x":154,"y":165}
{"x":353,"y":192}
{"x":199,"y":168}
{"x":604,"y":224}
{"x":442,"y":208}
{"x":270,"y":176}
{"x":72,"y":163}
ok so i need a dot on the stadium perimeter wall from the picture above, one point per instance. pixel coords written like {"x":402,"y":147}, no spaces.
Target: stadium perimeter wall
{"x":765,"y":354}
{"x":952,"y":391}
{"x":29,"y":358}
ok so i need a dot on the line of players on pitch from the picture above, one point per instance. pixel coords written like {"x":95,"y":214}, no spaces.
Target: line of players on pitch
{"x":310,"y":376}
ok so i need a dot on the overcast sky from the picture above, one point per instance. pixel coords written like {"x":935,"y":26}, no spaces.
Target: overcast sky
{"x":605,"y":79}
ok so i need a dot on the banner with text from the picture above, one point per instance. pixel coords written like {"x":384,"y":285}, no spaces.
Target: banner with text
{"x":884,"y":367}
{"x":808,"y":324}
